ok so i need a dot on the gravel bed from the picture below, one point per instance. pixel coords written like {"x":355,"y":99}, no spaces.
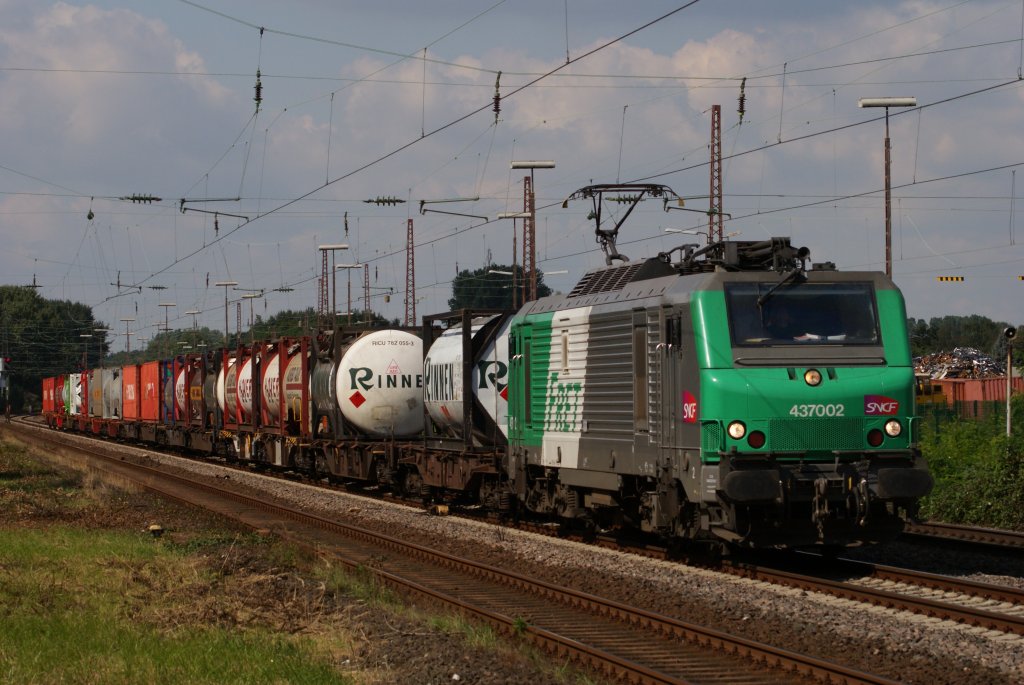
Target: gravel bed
{"x":894,"y":644}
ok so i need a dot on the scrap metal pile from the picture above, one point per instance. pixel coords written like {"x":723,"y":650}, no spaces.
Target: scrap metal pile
{"x":962,"y":362}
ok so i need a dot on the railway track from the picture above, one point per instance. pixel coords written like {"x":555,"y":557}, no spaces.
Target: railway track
{"x":1003,"y":541}
{"x":986,"y":606}
{"x":609,"y":637}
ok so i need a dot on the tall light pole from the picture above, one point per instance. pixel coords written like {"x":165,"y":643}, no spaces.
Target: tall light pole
{"x":167,"y":306}
{"x":85,"y":349}
{"x":226,"y":285}
{"x":127,"y":333}
{"x":348,"y":268}
{"x":514,"y":216}
{"x":334,"y":281}
{"x":251,"y":297}
{"x":195,"y":323}
{"x":887,"y":103}
{"x":530,"y":227}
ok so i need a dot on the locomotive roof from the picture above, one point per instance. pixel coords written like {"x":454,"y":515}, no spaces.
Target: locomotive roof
{"x":727,"y":260}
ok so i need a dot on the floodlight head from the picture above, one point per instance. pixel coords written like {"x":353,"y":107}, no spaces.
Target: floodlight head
{"x":887,"y":102}
{"x":533,"y":164}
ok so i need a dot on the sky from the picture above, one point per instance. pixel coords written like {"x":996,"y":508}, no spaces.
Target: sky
{"x":110,"y":100}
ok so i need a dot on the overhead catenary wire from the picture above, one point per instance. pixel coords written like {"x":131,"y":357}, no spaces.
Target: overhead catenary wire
{"x":435,"y":131}
{"x":327,"y":178}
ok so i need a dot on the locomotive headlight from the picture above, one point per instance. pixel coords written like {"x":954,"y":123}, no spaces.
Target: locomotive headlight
{"x":893,"y":428}
{"x":737,"y":430}
{"x":812,"y":377}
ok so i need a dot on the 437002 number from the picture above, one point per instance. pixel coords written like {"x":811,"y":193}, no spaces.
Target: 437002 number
{"x":804,"y":411}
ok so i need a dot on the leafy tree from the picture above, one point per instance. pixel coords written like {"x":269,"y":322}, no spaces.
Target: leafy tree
{"x":44,"y":338}
{"x":489,"y":288}
{"x":944,"y":333}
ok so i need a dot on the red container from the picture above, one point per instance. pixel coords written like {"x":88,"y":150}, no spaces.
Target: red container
{"x":49,"y":388}
{"x":149,"y":380}
{"x":131,"y":393}
{"x":977,"y":389}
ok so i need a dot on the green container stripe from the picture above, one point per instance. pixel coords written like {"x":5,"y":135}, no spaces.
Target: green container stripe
{"x":534,"y":329}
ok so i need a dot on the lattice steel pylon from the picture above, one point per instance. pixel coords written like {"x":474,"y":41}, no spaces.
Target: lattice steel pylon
{"x":366,"y":293}
{"x":324,"y":300}
{"x":410,"y":277}
{"x":715,"y":198}
{"x":529,"y":243}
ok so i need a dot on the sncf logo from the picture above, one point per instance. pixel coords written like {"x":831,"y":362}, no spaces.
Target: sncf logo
{"x":880,"y":405}
{"x":689,"y":408}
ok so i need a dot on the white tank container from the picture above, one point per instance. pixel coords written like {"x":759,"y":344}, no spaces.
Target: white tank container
{"x":75,"y":381}
{"x":292,"y":386}
{"x":245,"y":391}
{"x":226,"y":378}
{"x":443,"y":377}
{"x":112,"y":394}
{"x":179,"y":391}
{"x":96,"y":381}
{"x":379,"y":383}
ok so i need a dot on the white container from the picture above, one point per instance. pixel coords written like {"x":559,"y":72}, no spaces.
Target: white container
{"x":379,"y":384}
{"x":443,"y":377}
{"x":292,"y":386}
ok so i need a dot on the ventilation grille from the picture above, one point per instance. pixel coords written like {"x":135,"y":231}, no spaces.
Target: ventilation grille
{"x":711,"y":436}
{"x":606,"y":280}
{"x":816,"y":434}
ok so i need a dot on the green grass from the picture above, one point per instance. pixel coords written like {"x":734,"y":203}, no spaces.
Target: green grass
{"x":84,"y":606}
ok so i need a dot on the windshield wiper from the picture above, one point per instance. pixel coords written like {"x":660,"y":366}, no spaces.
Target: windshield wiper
{"x":785,"y":279}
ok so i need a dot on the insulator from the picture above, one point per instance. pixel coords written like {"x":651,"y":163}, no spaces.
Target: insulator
{"x":216,"y":225}
{"x":742,"y":109}
{"x":346,"y":224}
{"x":259,"y":91}
{"x":497,"y":97}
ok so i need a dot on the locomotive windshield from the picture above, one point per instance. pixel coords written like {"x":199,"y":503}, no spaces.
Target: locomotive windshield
{"x":802,"y":313}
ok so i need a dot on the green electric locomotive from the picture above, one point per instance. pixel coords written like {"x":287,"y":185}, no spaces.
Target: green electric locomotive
{"x":735,"y":393}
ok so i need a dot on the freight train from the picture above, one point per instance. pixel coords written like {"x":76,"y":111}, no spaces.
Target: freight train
{"x":732,"y":393}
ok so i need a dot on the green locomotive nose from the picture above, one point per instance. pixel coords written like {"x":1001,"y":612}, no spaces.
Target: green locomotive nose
{"x":776,"y":410}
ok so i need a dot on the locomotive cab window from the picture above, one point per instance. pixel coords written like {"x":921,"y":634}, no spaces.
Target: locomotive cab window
{"x":802,"y":314}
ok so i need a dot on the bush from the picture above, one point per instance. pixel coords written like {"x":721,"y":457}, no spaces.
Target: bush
{"x":978,"y":471}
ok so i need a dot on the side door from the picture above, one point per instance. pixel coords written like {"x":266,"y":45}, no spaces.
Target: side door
{"x":673,"y":405}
